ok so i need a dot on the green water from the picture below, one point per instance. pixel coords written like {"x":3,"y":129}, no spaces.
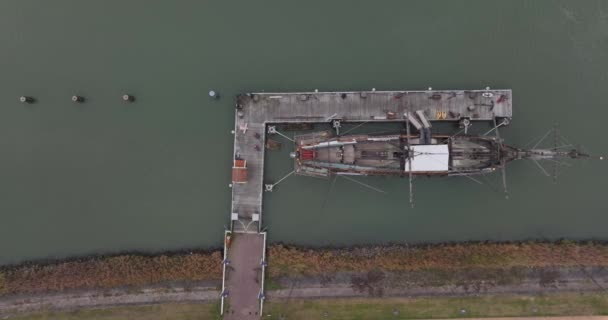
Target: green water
{"x":105,"y":176}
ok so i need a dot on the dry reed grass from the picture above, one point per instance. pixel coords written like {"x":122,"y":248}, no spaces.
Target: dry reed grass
{"x":108,"y":272}
{"x":139,"y":270}
{"x":289,"y":261}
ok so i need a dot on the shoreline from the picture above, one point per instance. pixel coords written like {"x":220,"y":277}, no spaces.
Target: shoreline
{"x":435,"y":270}
{"x":49,"y":261}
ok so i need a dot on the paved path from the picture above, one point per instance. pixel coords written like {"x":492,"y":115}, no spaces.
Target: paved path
{"x":244,"y":276}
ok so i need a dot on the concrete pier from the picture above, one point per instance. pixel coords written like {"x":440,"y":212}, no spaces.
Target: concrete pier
{"x":255,"y":111}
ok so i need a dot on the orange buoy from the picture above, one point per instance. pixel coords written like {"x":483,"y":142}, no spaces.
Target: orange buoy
{"x":228,"y":240}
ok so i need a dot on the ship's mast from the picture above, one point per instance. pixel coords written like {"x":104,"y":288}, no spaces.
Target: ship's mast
{"x":503,"y":163}
{"x":560,"y":148}
{"x":409,"y":158}
{"x":535,"y":153}
{"x":555,"y":146}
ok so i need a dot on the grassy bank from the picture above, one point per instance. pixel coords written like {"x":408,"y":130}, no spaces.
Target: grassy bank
{"x":285,"y":261}
{"x":189,"y":311}
{"x":440,"y":307}
{"x":343,"y":309}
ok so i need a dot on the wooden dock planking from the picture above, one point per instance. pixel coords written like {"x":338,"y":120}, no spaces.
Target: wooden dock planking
{"x":247,"y":197}
{"x":288,"y":107}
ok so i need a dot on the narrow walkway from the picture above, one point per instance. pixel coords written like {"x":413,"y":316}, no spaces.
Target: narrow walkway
{"x":244,"y":276}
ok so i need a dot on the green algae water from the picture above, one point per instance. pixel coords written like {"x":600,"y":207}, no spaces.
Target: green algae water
{"x":108,"y":176}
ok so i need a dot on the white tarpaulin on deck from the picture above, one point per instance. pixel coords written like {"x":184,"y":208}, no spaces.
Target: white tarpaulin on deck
{"x":429,"y":158}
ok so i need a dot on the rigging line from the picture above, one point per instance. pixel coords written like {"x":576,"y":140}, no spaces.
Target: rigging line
{"x":559,"y":162}
{"x":555,"y":172}
{"x":564,"y":139}
{"x":353,"y":128}
{"x":284,"y":136}
{"x":555,"y":136}
{"x":455,"y":134}
{"x":463,"y":174}
{"x":543,"y":138}
{"x":495,"y":127}
{"x":379,"y":132}
{"x":285,"y":177}
{"x":525,"y":146}
{"x":475,"y":180}
{"x":497,"y":132}
{"x":564,"y":146}
{"x":541,"y":168}
{"x":363,"y":184}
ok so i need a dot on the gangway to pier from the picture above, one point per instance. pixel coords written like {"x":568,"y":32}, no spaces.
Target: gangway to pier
{"x":244,"y":266}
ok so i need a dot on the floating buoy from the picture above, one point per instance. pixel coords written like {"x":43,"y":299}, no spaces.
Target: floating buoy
{"x":128,"y":98}
{"x":26,"y":99}
{"x":77,"y":99}
{"x":213,"y":94}
{"x":228,"y":240}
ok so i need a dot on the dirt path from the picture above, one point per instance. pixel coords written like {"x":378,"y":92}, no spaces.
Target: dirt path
{"x":345,"y":285}
{"x":457,"y":283}
{"x":105,"y":298}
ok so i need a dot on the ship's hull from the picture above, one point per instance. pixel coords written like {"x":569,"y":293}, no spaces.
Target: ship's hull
{"x":321,"y":154}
